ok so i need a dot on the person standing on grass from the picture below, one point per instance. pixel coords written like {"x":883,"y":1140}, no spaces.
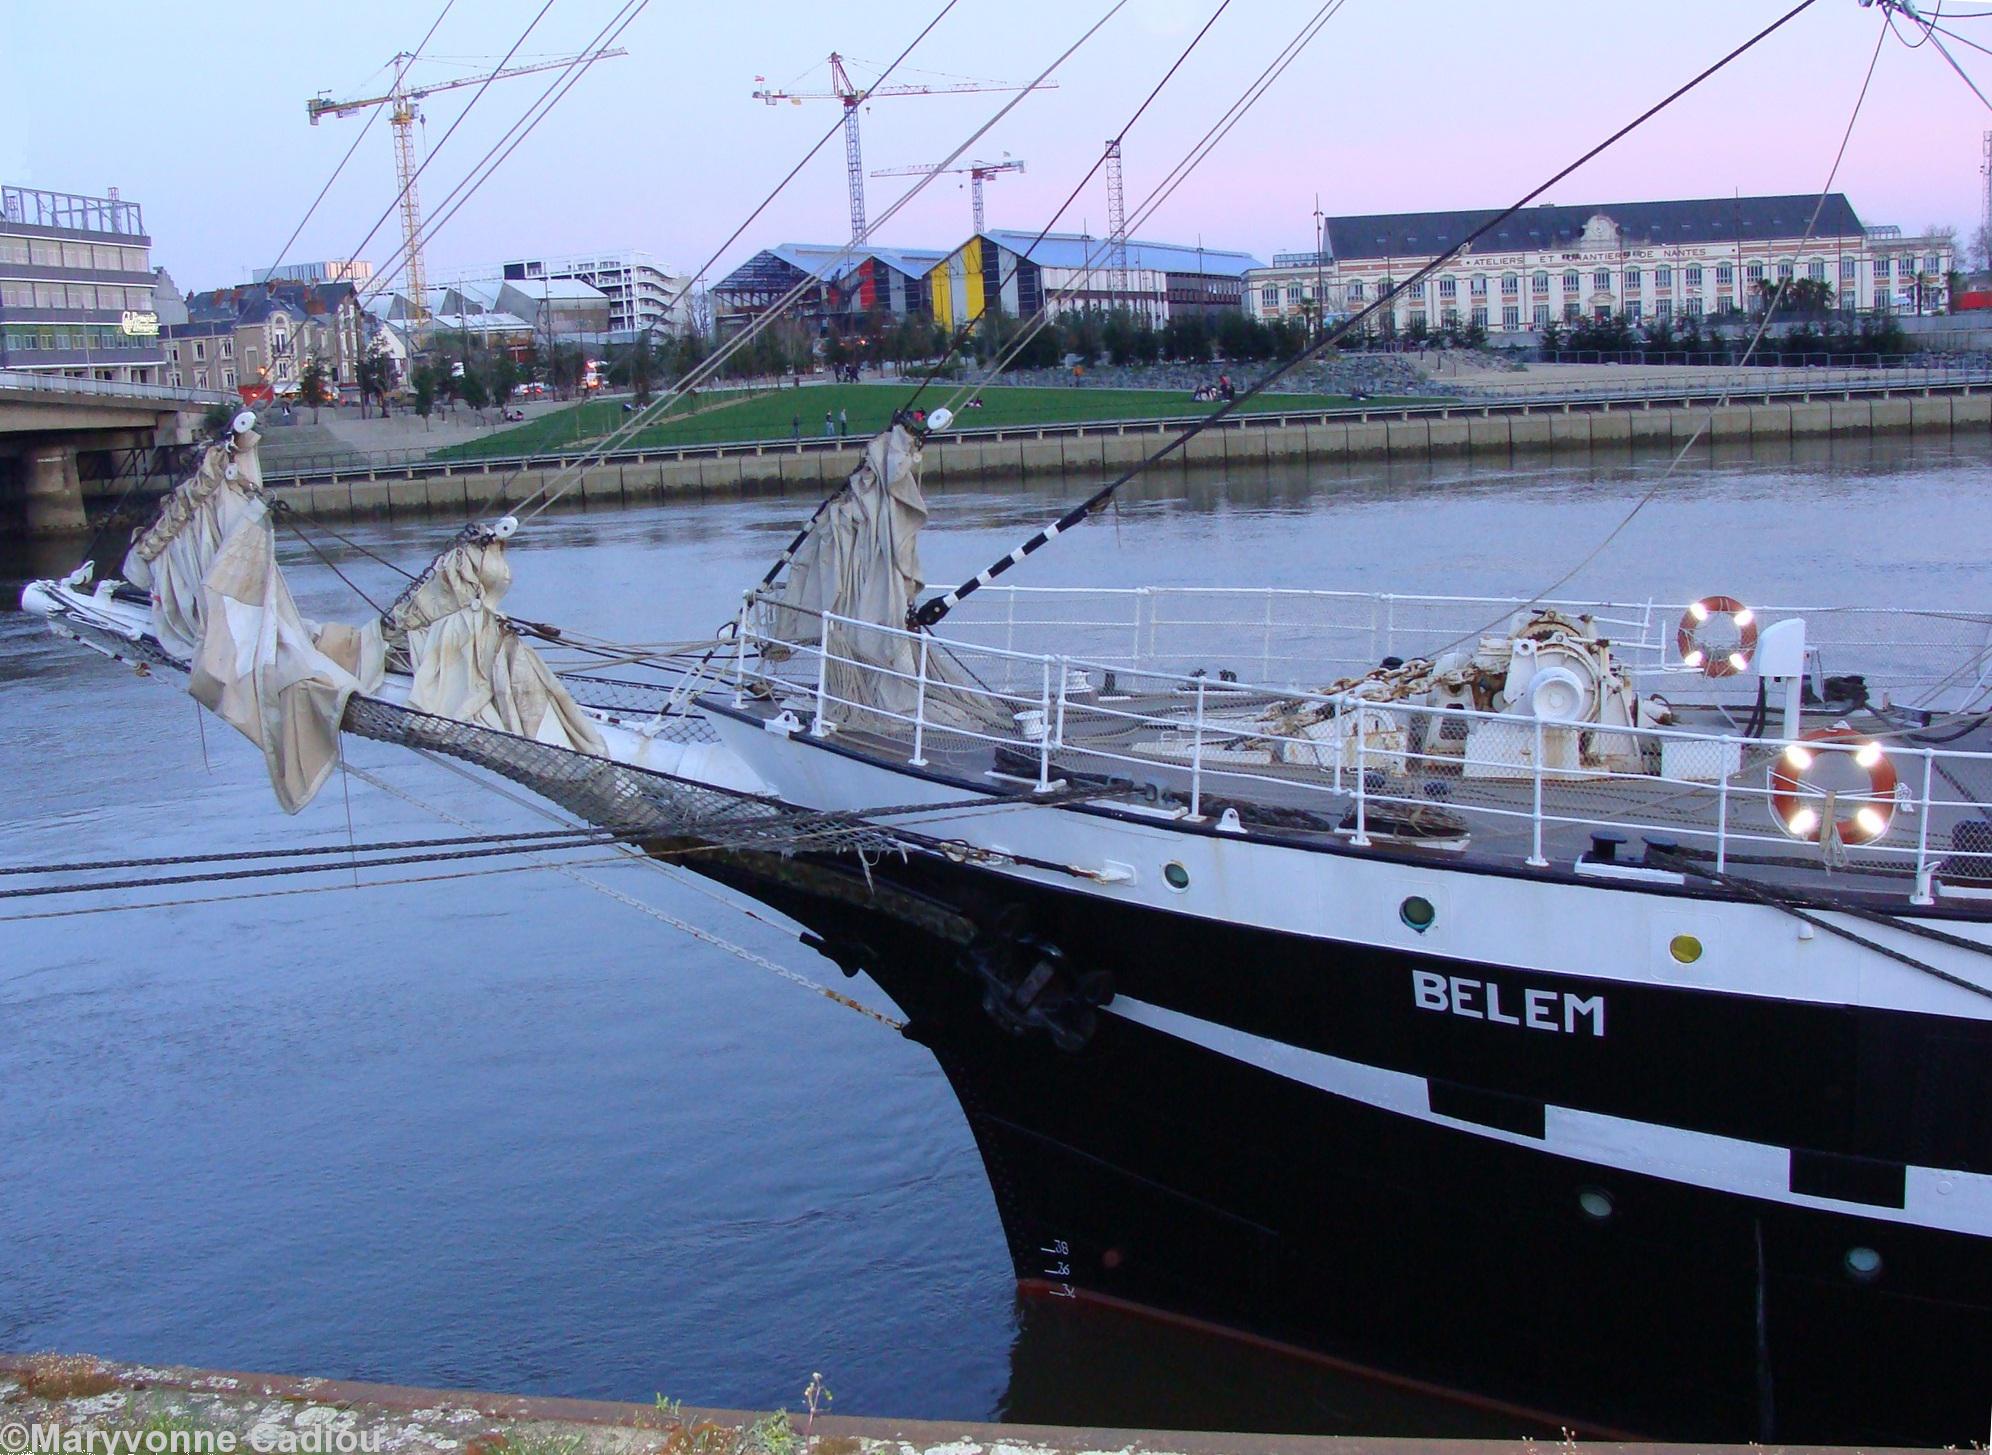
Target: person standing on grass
{"x":795,"y":427}
{"x":829,"y":426}
{"x":843,"y":425}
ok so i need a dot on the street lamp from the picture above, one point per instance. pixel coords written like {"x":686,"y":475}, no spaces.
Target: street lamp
{"x":1320,"y":292}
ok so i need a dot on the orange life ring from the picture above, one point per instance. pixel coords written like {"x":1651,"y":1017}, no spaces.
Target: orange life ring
{"x":1687,"y":636}
{"x":1860,"y":818}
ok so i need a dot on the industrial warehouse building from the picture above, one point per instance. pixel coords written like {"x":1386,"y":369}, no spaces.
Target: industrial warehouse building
{"x":1074,"y":271}
{"x":1649,"y":260}
{"x":1023,"y":270}
{"x":853,"y":282}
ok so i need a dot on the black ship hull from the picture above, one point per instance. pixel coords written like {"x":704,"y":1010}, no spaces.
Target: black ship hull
{"x":1132,"y":1165}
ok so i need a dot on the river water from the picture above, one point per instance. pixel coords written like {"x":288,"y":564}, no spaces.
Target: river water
{"x":507,"y":1131}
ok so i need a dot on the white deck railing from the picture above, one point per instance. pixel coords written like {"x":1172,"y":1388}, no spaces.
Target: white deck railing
{"x":1309,"y":638}
{"x":1515,"y":787}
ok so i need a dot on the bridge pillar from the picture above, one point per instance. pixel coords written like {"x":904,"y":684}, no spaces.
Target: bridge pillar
{"x":52,"y":494}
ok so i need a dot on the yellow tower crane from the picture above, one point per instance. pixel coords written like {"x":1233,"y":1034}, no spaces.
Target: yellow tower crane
{"x":400,"y":99}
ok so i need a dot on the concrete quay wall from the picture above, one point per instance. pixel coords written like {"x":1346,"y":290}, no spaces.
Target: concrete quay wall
{"x":1098,"y":452}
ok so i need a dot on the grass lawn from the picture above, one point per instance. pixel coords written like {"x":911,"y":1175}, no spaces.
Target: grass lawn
{"x":730,"y":415}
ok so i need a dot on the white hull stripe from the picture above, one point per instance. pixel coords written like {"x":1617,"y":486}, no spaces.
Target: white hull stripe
{"x":1959,"y":1202}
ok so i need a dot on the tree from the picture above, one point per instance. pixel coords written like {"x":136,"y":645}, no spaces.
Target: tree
{"x":424,"y":383}
{"x":476,"y":393}
{"x":1186,"y":339}
{"x":376,"y":376}
{"x":1981,"y":248}
{"x":315,"y":384}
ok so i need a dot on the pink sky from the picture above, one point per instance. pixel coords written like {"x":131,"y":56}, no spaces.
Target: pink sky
{"x":1435,"y":104}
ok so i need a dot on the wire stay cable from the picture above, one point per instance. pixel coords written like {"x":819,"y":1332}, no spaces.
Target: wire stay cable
{"x":935,"y":608}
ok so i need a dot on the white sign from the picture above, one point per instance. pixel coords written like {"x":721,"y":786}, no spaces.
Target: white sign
{"x":139,"y":325}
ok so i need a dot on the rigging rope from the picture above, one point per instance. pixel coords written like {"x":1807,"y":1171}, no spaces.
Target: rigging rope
{"x":961,"y":334}
{"x":931,"y":611}
{"x":431,"y":153}
{"x":738,"y":340}
{"x":1797,"y":910}
{"x":304,"y":851}
{"x":562,"y":82}
{"x":372,"y":117}
{"x":678,"y":389}
{"x":278,"y":871}
{"x":1763,"y":326}
{"x":704,"y":936}
{"x":1165,"y":189}
{"x":259,"y":894}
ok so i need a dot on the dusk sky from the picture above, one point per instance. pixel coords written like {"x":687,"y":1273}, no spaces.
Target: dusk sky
{"x":198,"y":113}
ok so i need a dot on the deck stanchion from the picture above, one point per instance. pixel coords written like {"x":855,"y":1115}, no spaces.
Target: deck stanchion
{"x":919,"y":758}
{"x":1196,"y":757}
{"x":1924,"y":893}
{"x":1536,"y":860}
{"x":1044,"y":730}
{"x":1064,"y":681}
{"x":1266,"y":643}
{"x":820,"y":728}
{"x":1362,"y":838}
{"x":740,"y":656}
{"x":1722,"y":807}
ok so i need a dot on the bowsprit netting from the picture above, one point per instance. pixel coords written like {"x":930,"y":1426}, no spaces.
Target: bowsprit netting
{"x":617,"y":795}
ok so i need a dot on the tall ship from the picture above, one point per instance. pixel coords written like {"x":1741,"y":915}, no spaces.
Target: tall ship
{"x":1583,"y":1007}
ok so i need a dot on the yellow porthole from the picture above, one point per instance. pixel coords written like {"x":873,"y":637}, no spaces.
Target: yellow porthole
{"x":1685,"y":948}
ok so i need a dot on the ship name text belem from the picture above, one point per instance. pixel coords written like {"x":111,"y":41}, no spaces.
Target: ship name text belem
{"x":1532,"y":1008}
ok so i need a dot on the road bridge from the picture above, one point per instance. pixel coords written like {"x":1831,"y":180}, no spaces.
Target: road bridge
{"x":58,"y":434}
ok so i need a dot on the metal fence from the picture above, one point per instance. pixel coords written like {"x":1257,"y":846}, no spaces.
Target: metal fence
{"x":1886,"y":810}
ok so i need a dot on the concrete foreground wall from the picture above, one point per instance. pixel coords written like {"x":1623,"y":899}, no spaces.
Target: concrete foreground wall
{"x":1498,"y":436}
{"x":264,"y":1412}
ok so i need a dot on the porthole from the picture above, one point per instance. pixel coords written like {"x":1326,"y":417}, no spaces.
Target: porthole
{"x":1417,"y":912}
{"x":1685,"y":948}
{"x":1596,"y":1204}
{"x":1177,"y":876}
{"x":1863,"y":1264}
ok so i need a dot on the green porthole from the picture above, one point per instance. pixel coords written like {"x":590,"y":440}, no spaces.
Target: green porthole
{"x":1863,"y":1265}
{"x":1417,"y":912}
{"x":1177,"y":875}
{"x":1685,"y":948}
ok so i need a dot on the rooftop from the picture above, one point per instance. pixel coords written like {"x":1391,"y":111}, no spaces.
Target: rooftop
{"x":34,"y":207}
{"x":1708,"y":220}
{"x":1080,"y":250}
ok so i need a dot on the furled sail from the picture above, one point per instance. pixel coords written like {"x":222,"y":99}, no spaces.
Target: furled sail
{"x":171,"y":557}
{"x":278,"y":680}
{"x":862,"y":562}
{"x":468,"y":662}
{"x":209,"y":561}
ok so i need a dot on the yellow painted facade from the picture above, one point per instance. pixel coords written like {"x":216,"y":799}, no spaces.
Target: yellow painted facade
{"x":955,"y":284}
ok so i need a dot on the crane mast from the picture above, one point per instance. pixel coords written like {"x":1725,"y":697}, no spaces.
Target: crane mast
{"x":1116,"y":226}
{"x":402,"y":114}
{"x":402,"y":118}
{"x":854,"y":162}
{"x":1985,"y":221}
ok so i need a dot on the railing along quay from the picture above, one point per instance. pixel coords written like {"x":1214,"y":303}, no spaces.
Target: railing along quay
{"x":1919,"y":383}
